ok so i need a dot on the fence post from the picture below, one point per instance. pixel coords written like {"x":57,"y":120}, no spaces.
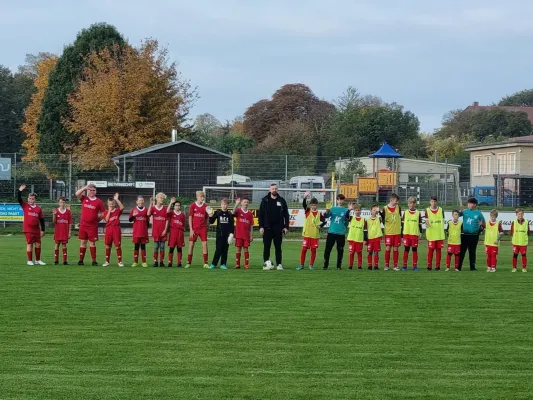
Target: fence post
{"x":15,"y":177}
{"x":286,"y":167}
{"x":446,"y":184}
{"x":179,"y":172}
{"x":232,"y":156}
{"x":70,"y":177}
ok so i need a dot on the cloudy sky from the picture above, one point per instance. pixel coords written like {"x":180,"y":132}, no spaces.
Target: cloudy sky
{"x":430,"y":58}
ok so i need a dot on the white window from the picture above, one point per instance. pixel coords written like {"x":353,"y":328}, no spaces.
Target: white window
{"x":502,"y":161}
{"x":512,"y":162}
{"x":477,"y":165}
{"x":486,"y":164}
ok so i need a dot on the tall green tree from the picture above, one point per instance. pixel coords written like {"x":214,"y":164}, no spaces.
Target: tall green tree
{"x":54,"y":138}
{"x":523,"y":98}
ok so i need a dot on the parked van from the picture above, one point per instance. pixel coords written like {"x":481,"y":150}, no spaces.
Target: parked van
{"x":314,"y":184}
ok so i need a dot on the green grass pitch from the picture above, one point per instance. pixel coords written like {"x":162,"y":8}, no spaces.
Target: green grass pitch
{"x":109,"y":333}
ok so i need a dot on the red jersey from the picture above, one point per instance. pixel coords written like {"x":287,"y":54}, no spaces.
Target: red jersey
{"x":114,"y":219}
{"x":63,"y":222}
{"x":199,"y":216}
{"x":140,"y":224}
{"x":244,"y":222}
{"x":177,"y":221}
{"x":32,"y":215}
{"x":90,"y":208}
{"x":159,"y":221}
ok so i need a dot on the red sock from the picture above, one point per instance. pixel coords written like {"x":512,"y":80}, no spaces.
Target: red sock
{"x":135,"y":256}
{"x":515,"y":261}
{"x":489,"y":260}
{"x":205,"y":258}
{"x":238,"y":258}
{"x":170,"y":257}
{"x":64,"y":254}
{"x":143,"y":255}
{"x":352,"y":256}
{"x":376,"y":259}
{"x":119,"y":254}
{"x":180,"y":256}
{"x":56,"y":255}
{"x":189,"y":258}
{"x":83,"y":250}
{"x":387,"y":258}
{"x":395,"y":257}
{"x":155,"y":257}
{"x":369,"y":259}
{"x":93,"y":253}
{"x":430,"y":257}
{"x":162,"y":256}
{"x":313,"y":257}
{"x":438,"y":256}
{"x":415,"y":258}
{"x":457,"y":261}
{"x":29,"y":254}
{"x":405,"y":258}
{"x":303,"y":254}
{"x":359,"y":259}
{"x":107,"y":254}
{"x":37,"y":254}
{"x":246,"y":257}
{"x":524,"y":261}
{"x":448,"y":260}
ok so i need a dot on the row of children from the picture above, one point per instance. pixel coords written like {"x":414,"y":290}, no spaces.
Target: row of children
{"x":168,"y":225}
{"x":397,"y":228}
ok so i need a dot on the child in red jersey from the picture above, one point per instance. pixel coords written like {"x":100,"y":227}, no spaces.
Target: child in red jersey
{"x":244,"y":228}
{"x":33,"y":226}
{"x":92,"y":210}
{"x":62,"y":218}
{"x":199,"y":213}
{"x":158,"y":212}
{"x":113,"y":234}
{"x":139,"y":217}
{"x":176,"y":236}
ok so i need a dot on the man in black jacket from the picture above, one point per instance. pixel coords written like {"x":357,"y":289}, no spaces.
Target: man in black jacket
{"x":273,"y":223}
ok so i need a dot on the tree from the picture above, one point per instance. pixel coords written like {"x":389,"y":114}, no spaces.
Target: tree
{"x":205,"y":129}
{"x":31,"y":115}
{"x":523,"y":98}
{"x":32,"y":61}
{"x":127,"y":99}
{"x":353,"y":168}
{"x":54,"y":138}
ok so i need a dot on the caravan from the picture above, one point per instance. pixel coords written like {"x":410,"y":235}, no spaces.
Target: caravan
{"x":314,"y":184}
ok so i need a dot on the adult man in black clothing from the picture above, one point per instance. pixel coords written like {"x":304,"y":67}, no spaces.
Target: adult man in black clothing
{"x":273,"y":223}
{"x":225,"y":228}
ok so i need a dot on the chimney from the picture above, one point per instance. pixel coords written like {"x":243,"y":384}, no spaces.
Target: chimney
{"x":174,"y":135}
{"x":475,"y":103}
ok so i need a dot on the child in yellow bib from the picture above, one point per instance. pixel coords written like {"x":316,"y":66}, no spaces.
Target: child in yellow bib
{"x":411,"y":229}
{"x":493,"y":234}
{"x":454,"y":231}
{"x":374,"y":236}
{"x":434,"y":232}
{"x":356,"y":235}
{"x":311,"y":231}
{"x":520,"y":239}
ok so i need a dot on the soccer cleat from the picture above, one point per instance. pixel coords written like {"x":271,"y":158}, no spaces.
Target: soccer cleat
{"x":437,"y":268}
{"x":144,"y":265}
{"x":457,"y":270}
{"x":369,"y":268}
{"x":489,"y":269}
{"x":206,"y":266}
{"x":386,"y":268}
{"x":121,"y":264}
{"x":299,"y":268}
{"x":106,"y":264}
{"x":66,"y":263}
{"x":80,"y":263}
{"x":94,"y":264}
{"x":360,"y":268}
{"x":30,"y":263}
{"x":493,"y":270}
{"x":39,"y":262}
{"x":179,"y":266}
{"x":404,"y":269}
{"x":223,"y":267}
{"x":134,"y":265}
{"x":396,"y":269}
{"x":350,"y":268}
{"x":187,"y":265}
{"x":524,"y":270}
{"x":376,"y":268}
{"x":447,"y":269}
{"x":246,"y":267}
{"x":513,"y":270}
{"x":169,"y":265}
{"x":339,"y":268}
{"x":311,"y":268}
{"x":237,"y":267}
{"x":56,"y":262}
{"x":279,"y":267}
{"x":155,"y":265}
{"x":212,"y":266}
{"x":429,"y":268}
{"x":473,"y":269}
{"x":416,"y":269}
{"x":324,"y":268}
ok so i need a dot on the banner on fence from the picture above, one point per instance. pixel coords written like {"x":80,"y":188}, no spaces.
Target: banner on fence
{"x":5,"y":169}
{"x":11,"y":213}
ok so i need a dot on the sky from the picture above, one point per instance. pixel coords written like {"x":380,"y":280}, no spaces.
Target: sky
{"x":429,"y":56}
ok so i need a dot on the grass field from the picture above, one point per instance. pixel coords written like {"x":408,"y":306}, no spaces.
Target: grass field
{"x":109,"y":333}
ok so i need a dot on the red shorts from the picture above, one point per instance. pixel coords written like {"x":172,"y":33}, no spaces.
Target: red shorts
{"x":113,"y":236}
{"x":242,"y":243}
{"x":140,"y":240}
{"x":435,"y":244}
{"x":393,"y":240}
{"x":176,"y":238}
{"x":33,"y":237}
{"x":202,"y":234}
{"x":89,"y":233}
{"x":310,"y":243}
{"x":410,"y":240}
{"x":374,"y":245}
{"x":520,"y":250}
{"x":355,"y":247}
{"x":61,"y":241}
{"x":160,"y":239}
{"x":454,"y":249}
{"x":491,"y":250}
